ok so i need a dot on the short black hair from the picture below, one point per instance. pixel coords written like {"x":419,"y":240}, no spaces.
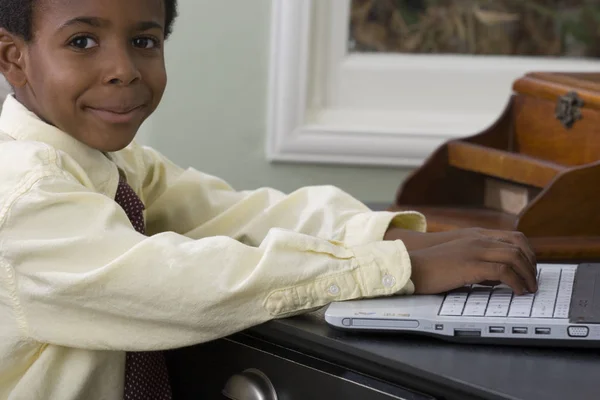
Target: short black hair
{"x":16,"y":17}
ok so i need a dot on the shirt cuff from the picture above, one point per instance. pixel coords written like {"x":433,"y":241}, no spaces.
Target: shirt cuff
{"x":377,"y":269}
{"x":371,"y":227}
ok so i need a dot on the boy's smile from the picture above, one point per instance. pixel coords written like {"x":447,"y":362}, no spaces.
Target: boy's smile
{"x":94,"y":68}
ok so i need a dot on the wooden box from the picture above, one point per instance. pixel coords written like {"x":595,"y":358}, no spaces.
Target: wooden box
{"x":535,"y":170}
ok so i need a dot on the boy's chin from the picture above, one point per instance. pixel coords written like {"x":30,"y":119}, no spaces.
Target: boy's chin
{"x":110,"y":132}
{"x":116,"y":145}
{"x":109,"y":142}
{"x":115,"y":148}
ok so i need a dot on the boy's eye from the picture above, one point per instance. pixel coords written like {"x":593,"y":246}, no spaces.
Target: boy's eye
{"x":145,"y":43}
{"x":83,"y":42}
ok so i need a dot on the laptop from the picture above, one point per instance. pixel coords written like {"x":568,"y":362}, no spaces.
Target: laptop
{"x":564,"y":311}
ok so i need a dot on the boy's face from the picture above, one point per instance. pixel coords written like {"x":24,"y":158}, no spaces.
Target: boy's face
{"x":95,"y":68}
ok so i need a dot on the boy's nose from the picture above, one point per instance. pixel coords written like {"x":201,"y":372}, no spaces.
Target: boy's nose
{"x":122,"y":69}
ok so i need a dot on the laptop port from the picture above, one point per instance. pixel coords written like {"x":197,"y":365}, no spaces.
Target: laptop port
{"x":542,"y":331}
{"x":467,"y":332}
{"x":496,"y":329}
{"x":578,"y":331}
{"x":519,"y":330}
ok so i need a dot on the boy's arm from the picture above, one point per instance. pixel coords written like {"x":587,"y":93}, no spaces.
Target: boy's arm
{"x":76,"y":274}
{"x":199,"y":205}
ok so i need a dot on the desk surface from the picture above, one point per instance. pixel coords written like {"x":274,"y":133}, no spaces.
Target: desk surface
{"x":455,"y":371}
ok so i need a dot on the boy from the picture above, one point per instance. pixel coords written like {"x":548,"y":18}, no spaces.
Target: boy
{"x":111,"y":253}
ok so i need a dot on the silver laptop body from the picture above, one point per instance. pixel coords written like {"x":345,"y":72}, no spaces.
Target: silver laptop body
{"x":565,"y":309}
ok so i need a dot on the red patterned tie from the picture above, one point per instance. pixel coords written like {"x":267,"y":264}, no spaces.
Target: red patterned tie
{"x":146,"y":375}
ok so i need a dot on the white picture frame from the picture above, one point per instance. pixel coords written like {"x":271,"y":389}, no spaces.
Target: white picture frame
{"x":328,"y":106}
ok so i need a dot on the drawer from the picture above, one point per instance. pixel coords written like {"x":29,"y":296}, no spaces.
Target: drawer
{"x":202,"y":372}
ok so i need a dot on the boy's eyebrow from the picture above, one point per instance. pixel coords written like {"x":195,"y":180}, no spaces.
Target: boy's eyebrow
{"x":93,"y":21}
{"x":147,"y":25}
{"x":99,"y":23}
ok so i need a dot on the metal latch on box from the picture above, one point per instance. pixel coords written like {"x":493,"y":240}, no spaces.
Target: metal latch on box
{"x":568,"y":109}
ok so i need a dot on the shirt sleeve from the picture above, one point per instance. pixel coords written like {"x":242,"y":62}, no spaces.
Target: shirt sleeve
{"x":200,"y":205}
{"x":80,"y":276}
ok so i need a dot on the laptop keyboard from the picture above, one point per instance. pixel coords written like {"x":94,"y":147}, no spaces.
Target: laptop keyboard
{"x":552,"y":300}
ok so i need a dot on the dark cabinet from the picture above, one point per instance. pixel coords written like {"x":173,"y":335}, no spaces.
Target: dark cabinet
{"x":257,"y":367}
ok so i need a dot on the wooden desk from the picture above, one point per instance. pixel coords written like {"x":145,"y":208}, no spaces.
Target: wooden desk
{"x":311,"y":361}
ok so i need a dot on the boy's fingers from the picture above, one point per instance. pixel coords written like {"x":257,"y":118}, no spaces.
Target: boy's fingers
{"x":490,"y":283}
{"x":495,"y":250}
{"x":517,"y":239}
{"x":502,"y":273}
{"x":512,"y":257}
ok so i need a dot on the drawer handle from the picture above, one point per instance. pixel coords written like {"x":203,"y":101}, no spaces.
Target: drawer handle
{"x":251,"y":384}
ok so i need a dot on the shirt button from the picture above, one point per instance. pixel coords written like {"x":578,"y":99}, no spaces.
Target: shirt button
{"x":334,"y":290}
{"x":388,"y":281}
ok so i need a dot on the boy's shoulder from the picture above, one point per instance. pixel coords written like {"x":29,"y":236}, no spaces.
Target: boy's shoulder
{"x":21,"y":161}
{"x":20,"y":156}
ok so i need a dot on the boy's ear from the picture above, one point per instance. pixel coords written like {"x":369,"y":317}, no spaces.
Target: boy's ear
{"x":12,"y":58}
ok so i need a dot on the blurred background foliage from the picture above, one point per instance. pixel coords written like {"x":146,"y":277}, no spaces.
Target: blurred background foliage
{"x":569,"y":28}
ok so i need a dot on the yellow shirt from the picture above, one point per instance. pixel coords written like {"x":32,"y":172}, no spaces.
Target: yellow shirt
{"x":79,"y":286}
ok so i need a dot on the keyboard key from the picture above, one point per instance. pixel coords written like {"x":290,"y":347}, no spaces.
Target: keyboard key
{"x":454,"y":303}
{"x":520,"y":307}
{"x":565,"y":291}
{"x":477,"y":302}
{"x":499,"y":302}
{"x":545,"y":299}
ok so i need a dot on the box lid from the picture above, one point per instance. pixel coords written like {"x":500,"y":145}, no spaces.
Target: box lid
{"x":583,"y":87}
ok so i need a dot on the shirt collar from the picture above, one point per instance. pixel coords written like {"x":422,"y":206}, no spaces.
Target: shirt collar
{"x":21,"y":124}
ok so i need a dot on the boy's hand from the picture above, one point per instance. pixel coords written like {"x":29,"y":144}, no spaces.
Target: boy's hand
{"x":474,"y":259}
{"x":418,"y":240}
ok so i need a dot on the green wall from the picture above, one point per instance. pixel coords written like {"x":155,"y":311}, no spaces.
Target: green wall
{"x":213,"y":115}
